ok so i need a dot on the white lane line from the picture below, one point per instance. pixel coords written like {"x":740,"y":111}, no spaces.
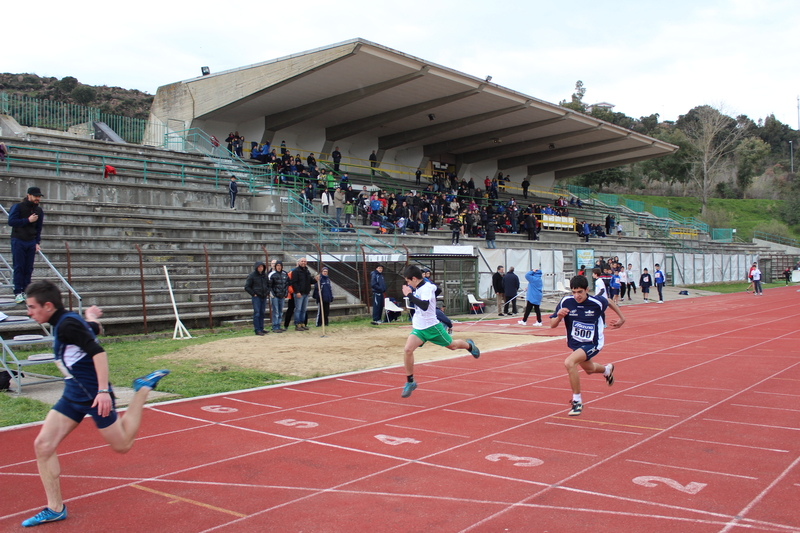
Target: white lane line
{"x":449,"y":392}
{"x":313,"y":392}
{"x":740,"y":515}
{"x":528,"y":401}
{"x":594,"y":407}
{"x":690,"y":469}
{"x":427,"y":431}
{"x":365,"y":383}
{"x":732,"y":444}
{"x":593,"y":428}
{"x":671,"y":399}
{"x":482,"y":414}
{"x":484,"y":381}
{"x":543,"y":448}
{"x":777,"y":394}
{"x":332,"y":416}
{"x":690,"y":387}
{"x":252,"y":403}
{"x":751,"y":424}
{"x":392,"y":403}
{"x":764,"y":407}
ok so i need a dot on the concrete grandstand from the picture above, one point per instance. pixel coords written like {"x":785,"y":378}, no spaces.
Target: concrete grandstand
{"x":360,"y":96}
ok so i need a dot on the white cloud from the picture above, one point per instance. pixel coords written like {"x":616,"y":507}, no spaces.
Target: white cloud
{"x":644,"y":57}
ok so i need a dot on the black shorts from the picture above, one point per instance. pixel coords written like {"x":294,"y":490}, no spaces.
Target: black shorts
{"x":77,"y":411}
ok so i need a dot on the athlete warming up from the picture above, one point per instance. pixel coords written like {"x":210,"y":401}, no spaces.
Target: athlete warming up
{"x":584,"y":318}
{"x":426,"y":327}
{"x":87,"y":390}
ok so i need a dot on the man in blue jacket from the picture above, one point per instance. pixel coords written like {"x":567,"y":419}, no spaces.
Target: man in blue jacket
{"x":533,"y":297}
{"x":323,"y":294}
{"x":26,"y":219}
{"x":378,"y":286}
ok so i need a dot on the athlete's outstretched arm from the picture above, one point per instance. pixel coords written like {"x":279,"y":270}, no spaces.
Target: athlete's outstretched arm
{"x":616,"y":323}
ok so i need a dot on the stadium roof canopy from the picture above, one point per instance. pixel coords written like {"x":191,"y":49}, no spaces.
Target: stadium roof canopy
{"x":363,"y":96}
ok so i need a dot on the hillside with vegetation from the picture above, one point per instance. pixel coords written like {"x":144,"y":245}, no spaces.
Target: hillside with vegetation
{"x":729,"y":171}
{"x":112,"y":100}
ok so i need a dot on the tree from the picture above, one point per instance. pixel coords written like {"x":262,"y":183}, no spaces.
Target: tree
{"x":672,"y":168}
{"x":67,"y":84}
{"x":608,"y":176}
{"x":576,"y":104}
{"x":751,"y":155}
{"x":83,"y":94}
{"x":713,"y":137}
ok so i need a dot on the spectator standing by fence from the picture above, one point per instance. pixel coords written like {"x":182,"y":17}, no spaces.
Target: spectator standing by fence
{"x":510,"y":288}
{"x":257,"y":286}
{"x":279,"y":290}
{"x":26,"y":219}
{"x":378,"y":286}
{"x":301,"y":285}
{"x":497,"y":286}
{"x":323,"y":294}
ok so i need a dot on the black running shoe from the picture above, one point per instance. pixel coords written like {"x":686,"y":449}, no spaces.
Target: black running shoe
{"x":577,"y":407}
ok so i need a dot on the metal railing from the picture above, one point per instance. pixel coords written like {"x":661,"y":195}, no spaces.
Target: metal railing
{"x":74,"y":118}
{"x":775,"y":238}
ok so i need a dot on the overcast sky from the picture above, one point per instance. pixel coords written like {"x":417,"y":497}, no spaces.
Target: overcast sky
{"x":642,"y":56}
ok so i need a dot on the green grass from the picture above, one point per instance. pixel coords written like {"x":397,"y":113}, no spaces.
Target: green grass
{"x":744,"y":215}
{"x":131,"y":357}
{"x":15,"y":411}
{"x":134,"y":356}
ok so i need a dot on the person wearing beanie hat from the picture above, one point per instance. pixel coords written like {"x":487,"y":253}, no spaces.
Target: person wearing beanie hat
{"x":26,"y":219}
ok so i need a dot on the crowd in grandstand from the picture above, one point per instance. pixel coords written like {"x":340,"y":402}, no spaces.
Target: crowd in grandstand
{"x":445,"y":202}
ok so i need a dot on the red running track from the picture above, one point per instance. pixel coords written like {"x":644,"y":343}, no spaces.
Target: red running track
{"x":700,"y":433}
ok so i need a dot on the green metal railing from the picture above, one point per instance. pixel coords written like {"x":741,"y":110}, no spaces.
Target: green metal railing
{"x":61,"y":116}
{"x":608,"y":199}
{"x":775,"y":238}
{"x":722,"y":234}
{"x":634,"y":205}
{"x":63,"y":160}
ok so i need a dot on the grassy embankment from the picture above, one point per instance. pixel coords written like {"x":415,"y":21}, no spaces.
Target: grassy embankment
{"x":744,"y":215}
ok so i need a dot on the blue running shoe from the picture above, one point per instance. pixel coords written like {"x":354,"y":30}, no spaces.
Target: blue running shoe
{"x":473,"y":349}
{"x":150,"y":380}
{"x":408,"y":389}
{"x":47,"y":515}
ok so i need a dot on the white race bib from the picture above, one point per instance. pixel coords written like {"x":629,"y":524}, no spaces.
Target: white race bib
{"x":582,"y":332}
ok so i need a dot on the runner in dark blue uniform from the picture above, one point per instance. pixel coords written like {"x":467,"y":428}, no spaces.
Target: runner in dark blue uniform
{"x":584,"y":318}
{"x":87,"y":391}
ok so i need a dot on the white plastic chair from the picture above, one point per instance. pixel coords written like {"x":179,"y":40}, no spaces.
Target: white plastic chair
{"x":389,"y":305}
{"x":476,"y":304}
{"x":560,"y":287}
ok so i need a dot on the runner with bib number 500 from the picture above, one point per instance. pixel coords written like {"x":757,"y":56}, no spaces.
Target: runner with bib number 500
{"x":584,"y":318}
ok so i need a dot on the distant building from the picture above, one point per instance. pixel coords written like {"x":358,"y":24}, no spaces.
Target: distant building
{"x":600,"y":105}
